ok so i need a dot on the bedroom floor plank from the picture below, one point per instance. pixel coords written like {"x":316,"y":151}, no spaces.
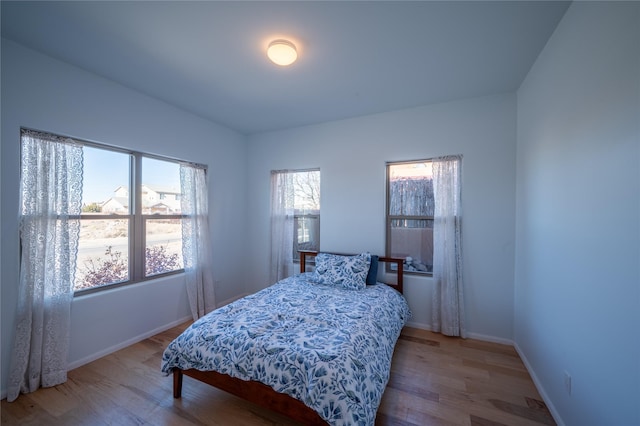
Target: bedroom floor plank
{"x":435,"y":381}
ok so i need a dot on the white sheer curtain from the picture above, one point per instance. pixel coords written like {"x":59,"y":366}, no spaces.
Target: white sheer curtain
{"x":282,"y":211}
{"x":448,"y":301}
{"x":51,"y":194}
{"x":196,"y":240}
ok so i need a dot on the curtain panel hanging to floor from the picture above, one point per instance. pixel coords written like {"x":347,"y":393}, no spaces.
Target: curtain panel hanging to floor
{"x":51,"y":201}
{"x":448,"y":301}
{"x":282,"y":220}
{"x":196,"y":240}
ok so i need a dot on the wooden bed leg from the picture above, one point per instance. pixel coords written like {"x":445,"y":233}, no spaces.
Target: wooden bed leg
{"x":177,"y":383}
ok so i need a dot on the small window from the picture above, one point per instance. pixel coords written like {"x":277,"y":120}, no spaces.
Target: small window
{"x":306,"y":217}
{"x":410,"y":210}
{"x":295,"y":218}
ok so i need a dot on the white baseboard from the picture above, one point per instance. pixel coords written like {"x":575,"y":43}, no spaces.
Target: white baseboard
{"x":114,"y":348}
{"x":538,"y":384}
{"x":476,"y":336}
{"x":132,"y":341}
{"x":493,"y":339}
{"x":136,"y":339}
{"x":419,"y":325}
{"x":128,"y":342}
{"x":233,"y":299}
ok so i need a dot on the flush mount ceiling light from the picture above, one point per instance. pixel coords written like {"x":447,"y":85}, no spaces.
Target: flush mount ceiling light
{"x":282,"y":52}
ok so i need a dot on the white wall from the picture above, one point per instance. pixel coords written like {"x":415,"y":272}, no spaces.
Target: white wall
{"x":351,"y":155}
{"x":41,"y":93}
{"x":577,"y":300}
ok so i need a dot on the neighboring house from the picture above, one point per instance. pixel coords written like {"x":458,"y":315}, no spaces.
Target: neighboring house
{"x":116,"y":205}
{"x":155,"y":200}
{"x":122,"y":192}
{"x":162,"y":208}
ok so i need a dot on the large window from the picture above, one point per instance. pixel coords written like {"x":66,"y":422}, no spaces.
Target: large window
{"x":410,"y":210}
{"x":131,"y":221}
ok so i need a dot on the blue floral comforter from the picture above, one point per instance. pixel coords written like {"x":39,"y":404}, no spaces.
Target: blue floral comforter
{"x":328,"y":347}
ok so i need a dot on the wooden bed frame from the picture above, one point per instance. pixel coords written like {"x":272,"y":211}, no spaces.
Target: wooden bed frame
{"x":259,"y":393}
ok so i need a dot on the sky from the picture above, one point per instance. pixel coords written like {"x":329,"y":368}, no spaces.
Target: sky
{"x":104,"y":171}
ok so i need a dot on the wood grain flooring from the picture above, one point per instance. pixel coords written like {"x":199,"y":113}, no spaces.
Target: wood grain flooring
{"x":435,"y":380}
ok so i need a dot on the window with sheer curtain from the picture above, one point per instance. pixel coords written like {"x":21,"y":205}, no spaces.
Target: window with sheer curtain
{"x":50,"y":205}
{"x":83,"y":229}
{"x":295,"y":218}
{"x":424,"y":226}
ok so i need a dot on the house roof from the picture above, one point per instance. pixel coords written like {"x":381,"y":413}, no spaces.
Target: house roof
{"x":123,"y":201}
{"x":163,"y":189}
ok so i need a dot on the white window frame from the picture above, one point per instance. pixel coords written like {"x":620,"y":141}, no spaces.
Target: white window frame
{"x":137,"y":220}
{"x":297,"y":216}
{"x":390,"y":218}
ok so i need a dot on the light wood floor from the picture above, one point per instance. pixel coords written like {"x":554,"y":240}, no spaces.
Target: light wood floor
{"x":435,"y":380}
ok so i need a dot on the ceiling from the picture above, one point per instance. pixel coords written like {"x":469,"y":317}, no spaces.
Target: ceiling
{"x":355,"y":58}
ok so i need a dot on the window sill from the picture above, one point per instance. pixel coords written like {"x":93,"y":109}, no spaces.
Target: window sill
{"x":108,"y":288}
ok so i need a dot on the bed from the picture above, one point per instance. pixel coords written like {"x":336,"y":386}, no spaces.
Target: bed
{"x":316,"y":346}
